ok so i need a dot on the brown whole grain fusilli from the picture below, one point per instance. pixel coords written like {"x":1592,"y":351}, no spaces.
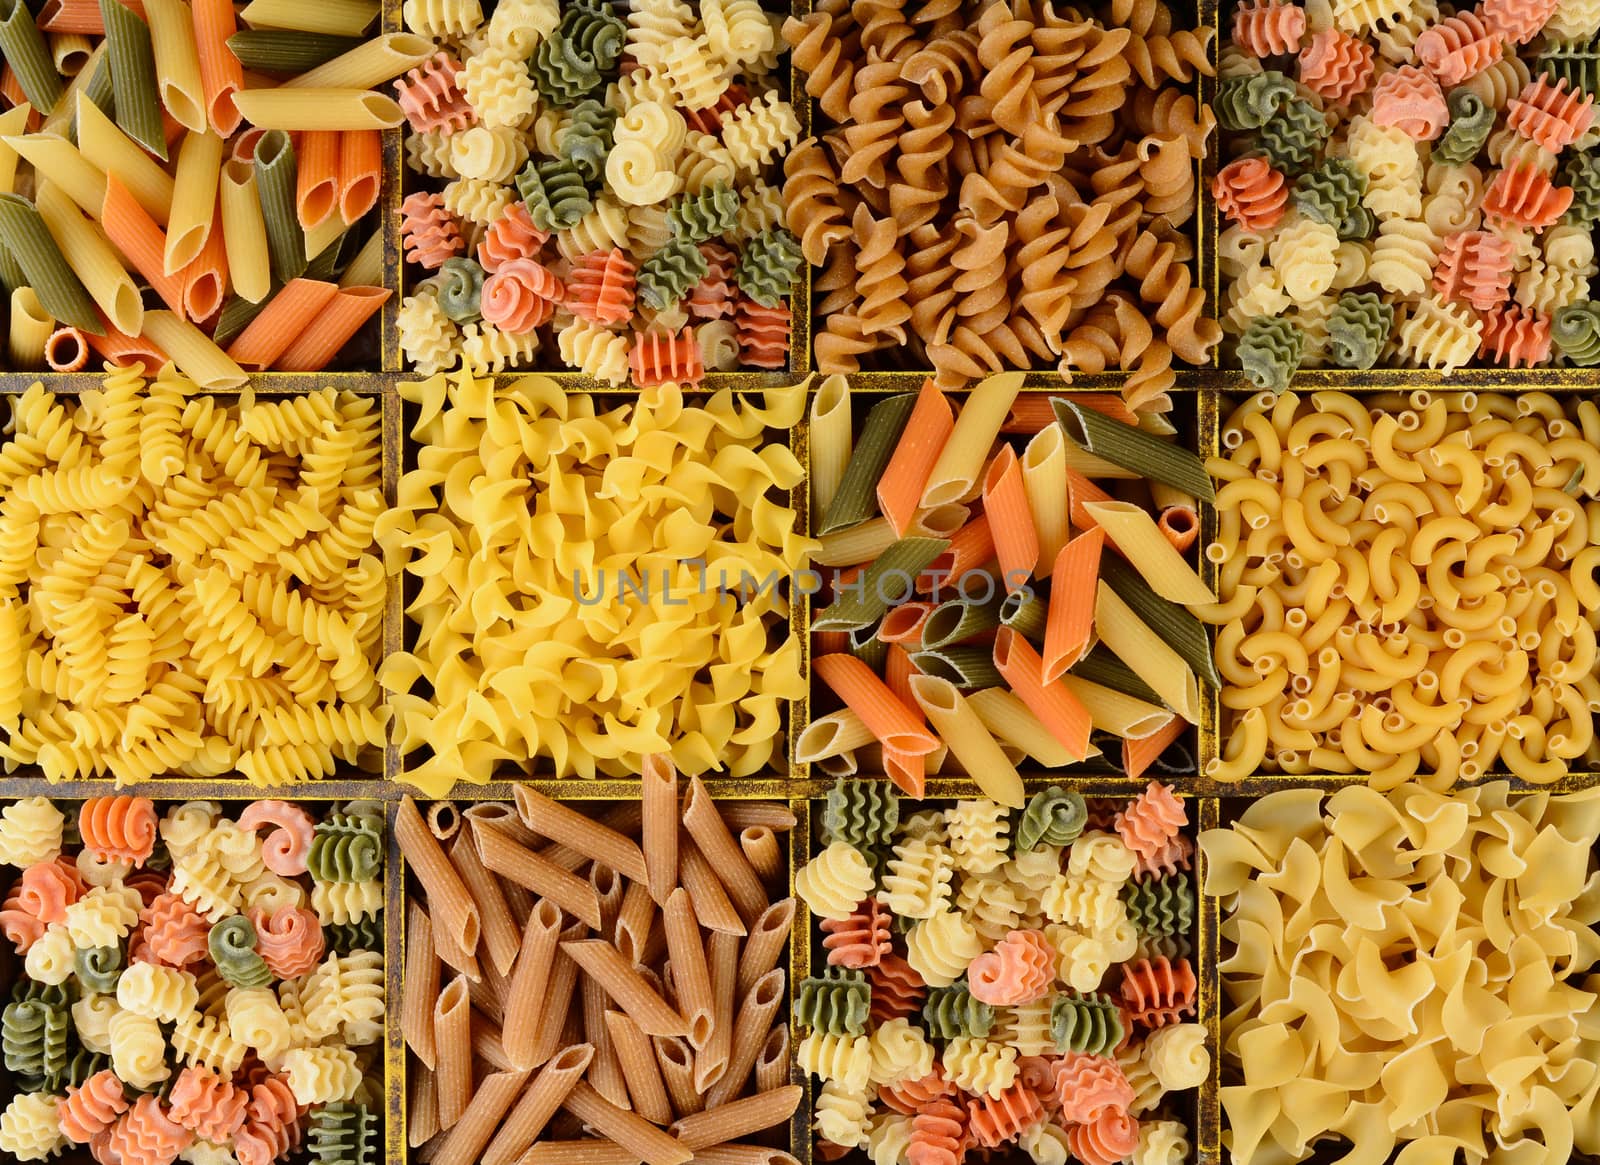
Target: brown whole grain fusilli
{"x":1001,"y":185}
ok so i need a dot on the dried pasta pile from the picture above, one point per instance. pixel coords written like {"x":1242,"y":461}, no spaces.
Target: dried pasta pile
{"x":186,"y":586}
{"x":1002,"y":185}
{"x":614,"y":989}
{"x":975,"y":576}
{"x":600,"y":189}
{"x":191,"y":987}
{"x":1407,"y":586}
{"x":1411,"y":187}
{"x":577,"y":580}
{"x":154,"y":208}
{"x":1409,"y":972}
{"x":986,"y":1026}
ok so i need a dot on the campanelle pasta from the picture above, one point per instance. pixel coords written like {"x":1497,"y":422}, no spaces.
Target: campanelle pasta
{"x":1407,"y":590}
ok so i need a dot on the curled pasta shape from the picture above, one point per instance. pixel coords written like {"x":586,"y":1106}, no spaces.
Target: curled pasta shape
{"x":119,"y":827}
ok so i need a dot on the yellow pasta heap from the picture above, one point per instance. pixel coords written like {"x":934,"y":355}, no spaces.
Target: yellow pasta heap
{"x":570,"y":565}
{"x":185,"y":585}
{"x":1409,"y":971}
{"x":1407,"y":585}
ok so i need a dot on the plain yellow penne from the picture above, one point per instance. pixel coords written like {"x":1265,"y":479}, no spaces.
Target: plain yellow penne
{"x":194,"y":199}
{"x":244,"y":232}
{"x":177,"y":62}
{"x":30,"y":328}
{"x":12,"y":122}
{"x":109,"y":150}
{"x":318,"y":109}
{"x":378,"y":60}
{"x":196,"y":356}
{"x":92,"y":258}
{"x":334,"y":17}
{"x":1147,"y":550}
{"x":77,"y":177}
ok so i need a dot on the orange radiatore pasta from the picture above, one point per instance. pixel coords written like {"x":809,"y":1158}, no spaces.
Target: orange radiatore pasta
{"x":1018,"y":969}
{"x":1157,"y":992}
{"x":1458,"y":48}
{"x":430,"y":96}
{"x":1411,"y":101}
{"x":521,"y":295}
{"x":1152,"y":819}
{"x":119,"y":828}
{"x":429,"y":233}
{"x":272,"y":1123}
{"x":208,"y":1104}
{"x":48,"y":888}
{"x":289,"y":940}
{"x":909,"y":1096}
{"x":659,"y":358}
{"x":1087,"y":1086}
{"x":1475,"y":267}
{"x":994,"y":1120}
{"x":763,"y":333}
{"x":714,"y":296}
{"x":1551,"y":115}
{"x":1251,"y":193}
{"x":1525,"y":197}
{"x":92,"y":1107}
{"x":1336,"y":66}
{"x":897,"y":989}
{"x":510,"y":236}
{"x":285,"y":850}
{"x":175,"y":931}
{"x":1516,"y":21}
{"x":1268,"y":28}
{"x":1111,"y":1137}
{"x":938,"y":1134}
{"x":147,"y":1135}
{"x":601,"y":287}
{"x":1515,"y":336}
{"x":860,"y":940}
{"x":20,"y":926}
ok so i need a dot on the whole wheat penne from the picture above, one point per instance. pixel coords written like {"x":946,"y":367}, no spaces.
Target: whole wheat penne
{"x":761,"y":850}
{"x":711,"y":835}
{"x":489,"y":995}
{"x":600,"y":960}
{"x":609,"y":888}
{"x":444,"y":820}
{"x":494,"y":1096}
{"x":711,"y":903}
{"x":504,"y":818}
{"x":422,"y":1106}
{"x":452,"y":1028}
{"x":527,"y":868}
{"x":530,"y":980}
{"x":605,"y":1072}
{"x":689,"y":971}
{"x":637,"y":1056}
{"x":658,"y":803}
{"x":764,"y":947}
{"x":422,"y":985}
{"x":772,"y":1063}
{"x":626,"y":819}
{"x":677,"y":1060}
{"x":742,"y":1155}
{"x":561,"y":823}
{"x":627,"y":1129}
{"x":716,"y":1126}
{"x":589,"y":1152}
{"x":448,"y":899}
{"x":750,"y":1030}
{"x":538,"y":1104}
{"x":553,"y":1016}
{"x":498,"y":929}
{"x":722,"y":958}
{"x":455,"y":956}
{"x":777,"y":817}
{"x":632,"y":930}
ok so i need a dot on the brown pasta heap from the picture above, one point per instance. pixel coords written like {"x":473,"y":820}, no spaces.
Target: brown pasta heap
{"x":612,"y":985}
{"x":1003,"y":186}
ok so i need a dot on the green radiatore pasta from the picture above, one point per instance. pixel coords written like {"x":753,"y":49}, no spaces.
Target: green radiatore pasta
{"x":1576,"y":331}
{"x":1091,"y":1024}
{"x":276,"y":169}
{"x":1471,"y":119}
{"x":572,"y":64}
{"x":1574,"y":61}
{"x":461,"y":289}
{"x":861,"y":813}
{"x":22,"y":1027}
{"x":837,"y":1003}
{"x":768,"y":265}
{"x":1293,"y":136}
{"x":232,"y":943}
{"x":1331,"y":194}
{"x":133,"y":76}
{"x":951,"y":1012}
{"x":587,"y":138}
{"x":1248,"y":102}
{"x":1053,"y":816}
{"x":344,"y":1134}
{"x":1582,"y":172}
{"x":1160,"y":906}
{"x":698,"y":217}
{"x":554,"y":192}
{"x":671,"y":273}
{"x":365,"y":934}
{"x":1269,"y":352}
{"x":857,"y":497}
{"x":98,"y":968}
{"x":1357,"y":328}
{"x":347,"y":847}
{"x":79,"y":1067}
